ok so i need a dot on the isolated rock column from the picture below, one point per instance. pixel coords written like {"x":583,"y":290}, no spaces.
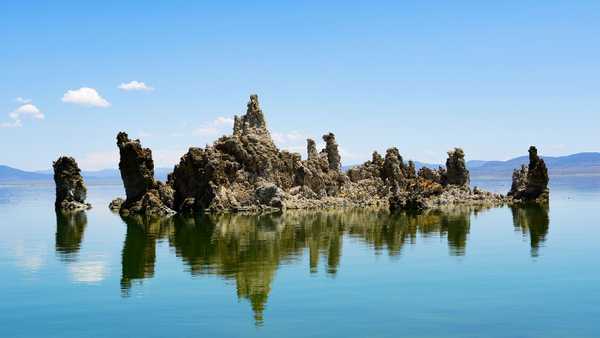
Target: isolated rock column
{"x":333,"y":154}
{"x":70,"y":188}
{"x":456,"y":168}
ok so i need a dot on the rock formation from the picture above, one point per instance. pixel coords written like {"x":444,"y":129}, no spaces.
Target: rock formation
{"x":70,"y":189}
{"x":530,"y":184}
{"x":144,"y":194}
{"x":456,"y":168}
{"x":245,"y":171}
{"x":311,"y":149}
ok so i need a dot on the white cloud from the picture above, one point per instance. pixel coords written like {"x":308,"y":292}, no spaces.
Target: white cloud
{"x":215,"y":127}
{"x":86,"y":97}
{"x":25,"y":110}
{"x":22,"y":100}
{"x":135,"y":85}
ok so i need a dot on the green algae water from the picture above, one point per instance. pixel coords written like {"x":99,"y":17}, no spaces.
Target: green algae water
{"x":462,"y":272}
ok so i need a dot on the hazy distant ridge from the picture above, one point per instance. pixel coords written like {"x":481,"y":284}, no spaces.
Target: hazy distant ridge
{"x":576,"y":164}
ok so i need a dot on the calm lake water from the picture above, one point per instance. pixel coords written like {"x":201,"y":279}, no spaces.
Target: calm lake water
{"x":503,"y":272}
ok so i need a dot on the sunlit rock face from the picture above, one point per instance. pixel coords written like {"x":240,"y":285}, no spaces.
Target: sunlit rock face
{"x":70,"y":188}
{"x":145,"y":195}
{"x":245,"y":171}
{"x":530,"y":184}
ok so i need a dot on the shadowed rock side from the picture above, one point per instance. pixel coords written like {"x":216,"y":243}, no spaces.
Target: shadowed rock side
{"x":530,"y":184}
{"x":145,"y":195}
{"x":248,"y":249}
{"x":70,"y":188}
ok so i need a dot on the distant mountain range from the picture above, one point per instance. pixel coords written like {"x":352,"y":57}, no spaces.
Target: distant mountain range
{"x":576,"y":164}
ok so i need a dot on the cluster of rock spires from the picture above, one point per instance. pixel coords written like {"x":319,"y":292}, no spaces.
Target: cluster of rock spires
{"x":246,"y":172}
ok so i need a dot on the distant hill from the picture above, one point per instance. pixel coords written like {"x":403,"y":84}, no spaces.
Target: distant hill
{"x":576,"y":164}
{"x":12,"y":174}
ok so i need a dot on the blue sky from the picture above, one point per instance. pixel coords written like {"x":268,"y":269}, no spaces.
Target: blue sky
{"x":424,"y":76}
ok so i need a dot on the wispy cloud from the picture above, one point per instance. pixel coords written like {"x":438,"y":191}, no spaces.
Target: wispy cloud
{"x":22,"y":100}
{"x":220,"y":125}
{"x":85,"y":96}
{"x":135,"y":85}
{"x":26,"y":110}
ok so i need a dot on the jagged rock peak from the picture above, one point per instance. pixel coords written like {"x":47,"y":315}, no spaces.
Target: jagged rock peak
{"x":333,"y":153}
{"x":393,"y":168}
{"x":537,"y":175}
{"x":136,"y":167}
{"x":531,"y":183}
{"x":456,"y":168}
{"x":144,"y":194}
{"x":376,"y":159}
{"x":253,"y":120}
{"x":311,"y":149}
{"x":70,"y":188}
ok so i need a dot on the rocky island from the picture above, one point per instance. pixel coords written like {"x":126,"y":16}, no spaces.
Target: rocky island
{"x":246,"y":172}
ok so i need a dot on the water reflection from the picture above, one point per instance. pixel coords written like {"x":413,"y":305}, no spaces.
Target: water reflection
{"x":139,"y":248}
{"x":248,"y":249}
{"x":70,"y":227}
{"x":534,"y":220}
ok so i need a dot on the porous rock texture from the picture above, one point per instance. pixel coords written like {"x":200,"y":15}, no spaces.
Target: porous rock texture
{"x":530,"y":184}
{"x":70,"y":188}
{"x":144,"y":194}
{"x":246,"y":172}
{"x":404,"y":189}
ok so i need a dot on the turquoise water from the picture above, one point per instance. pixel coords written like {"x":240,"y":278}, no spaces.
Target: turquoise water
{"x":504,"y":272}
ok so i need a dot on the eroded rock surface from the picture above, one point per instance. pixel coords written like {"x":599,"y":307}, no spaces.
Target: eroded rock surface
{"x":530,"y":184}
{"x":70,"y":188}
{"x":245,"y":171}
{"x":144,"y":194}
{"x":456,"y":168}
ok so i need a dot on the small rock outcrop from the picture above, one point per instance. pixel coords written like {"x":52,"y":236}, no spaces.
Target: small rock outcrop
{"x":70,"y":188}
{"x":530,"y":184}
{"x":144,"y":194}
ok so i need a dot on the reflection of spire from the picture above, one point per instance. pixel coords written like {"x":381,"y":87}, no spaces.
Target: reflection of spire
{"x":70,"y":227}
{"x":139,"y":248}
{"x":456,"y":225}
{"x":532,"y":218}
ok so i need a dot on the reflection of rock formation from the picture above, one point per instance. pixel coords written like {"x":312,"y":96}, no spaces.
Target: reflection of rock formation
{"x":250,"y":248}
{"x":139,"y":248}
{"x":70,"y":227}
{"x":532,"y":218}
